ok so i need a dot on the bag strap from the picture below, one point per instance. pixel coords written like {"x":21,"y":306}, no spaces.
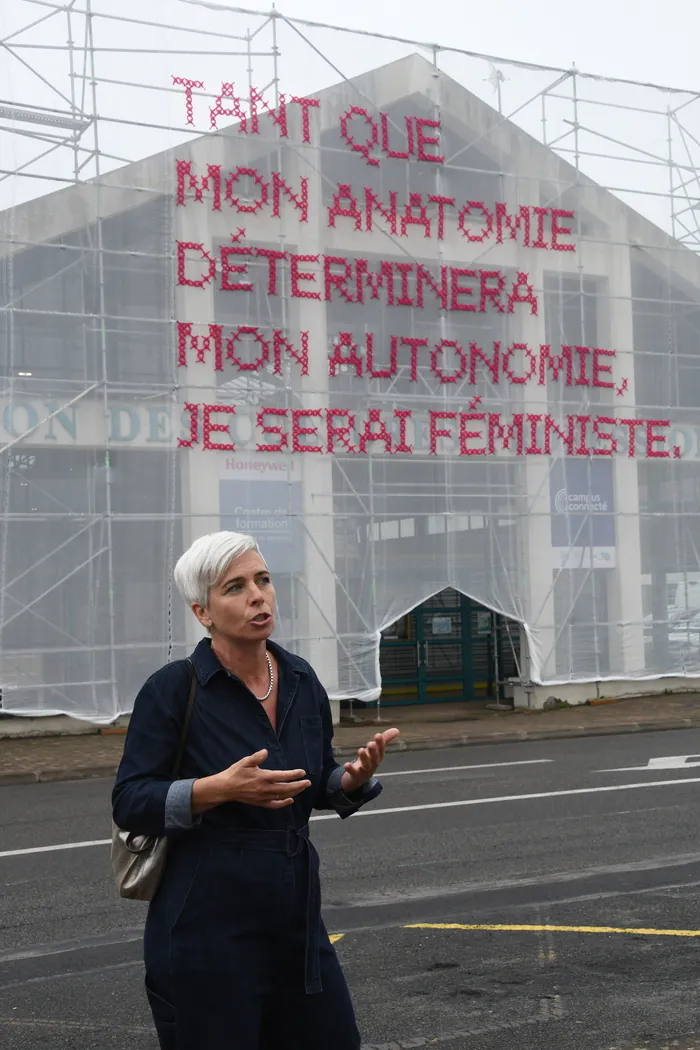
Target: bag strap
{"x":186,"y":723}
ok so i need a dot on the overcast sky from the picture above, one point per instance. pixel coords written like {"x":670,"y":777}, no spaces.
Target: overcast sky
{"x":640,"y":39}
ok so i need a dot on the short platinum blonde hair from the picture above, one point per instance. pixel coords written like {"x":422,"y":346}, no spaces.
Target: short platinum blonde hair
{"x":206,"y":561}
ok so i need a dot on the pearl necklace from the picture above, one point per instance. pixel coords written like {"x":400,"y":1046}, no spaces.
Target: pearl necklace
{"x":272,"y":680}
{"x":262,"y":699}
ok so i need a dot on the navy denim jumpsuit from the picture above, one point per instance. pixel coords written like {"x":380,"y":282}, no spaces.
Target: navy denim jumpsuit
{"x":237,"y":956}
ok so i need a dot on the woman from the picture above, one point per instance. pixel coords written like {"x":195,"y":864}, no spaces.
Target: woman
{"x":237,"y":956}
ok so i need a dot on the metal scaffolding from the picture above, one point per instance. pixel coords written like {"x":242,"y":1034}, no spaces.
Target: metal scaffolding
{"x":98,"y":99}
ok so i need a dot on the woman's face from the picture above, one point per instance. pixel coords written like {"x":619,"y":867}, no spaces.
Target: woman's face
{"x":242,"y":604}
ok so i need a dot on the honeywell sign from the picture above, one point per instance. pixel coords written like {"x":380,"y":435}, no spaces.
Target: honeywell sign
{"x":261,"y":495}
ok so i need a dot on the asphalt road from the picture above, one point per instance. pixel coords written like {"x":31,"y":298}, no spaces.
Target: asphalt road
{"x":536,"y":835}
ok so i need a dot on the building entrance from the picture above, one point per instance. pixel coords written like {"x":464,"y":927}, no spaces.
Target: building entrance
{"x":448,"y":648}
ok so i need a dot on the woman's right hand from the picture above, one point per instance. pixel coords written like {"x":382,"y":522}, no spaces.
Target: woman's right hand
{"x":246,"y":782}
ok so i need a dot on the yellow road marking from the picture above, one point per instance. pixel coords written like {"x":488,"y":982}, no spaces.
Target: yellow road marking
{"x":335,"y":937}
{"x":550,"y":929}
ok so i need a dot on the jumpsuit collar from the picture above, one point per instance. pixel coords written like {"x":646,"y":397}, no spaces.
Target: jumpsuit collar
{"x":206,"y":663}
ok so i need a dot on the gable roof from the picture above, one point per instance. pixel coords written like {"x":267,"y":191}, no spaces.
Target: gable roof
{"x":57,"y":214}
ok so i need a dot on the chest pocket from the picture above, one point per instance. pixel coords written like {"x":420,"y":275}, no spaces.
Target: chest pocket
{"x":312,"y":735}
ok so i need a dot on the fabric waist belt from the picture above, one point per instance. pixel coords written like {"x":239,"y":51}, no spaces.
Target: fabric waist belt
{"x":292,"y":842}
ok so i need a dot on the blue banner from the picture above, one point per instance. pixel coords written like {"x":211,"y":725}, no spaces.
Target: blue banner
{"x":271,"y":512}
{"x":582,"y":503}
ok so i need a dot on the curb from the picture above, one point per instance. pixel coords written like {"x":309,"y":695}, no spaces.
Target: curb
{"x":512,"y":737}
{"x":49,"y":776}
{"x":45,"y":776}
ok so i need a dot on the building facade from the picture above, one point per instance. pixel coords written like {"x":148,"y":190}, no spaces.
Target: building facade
{"x":421,"y":357}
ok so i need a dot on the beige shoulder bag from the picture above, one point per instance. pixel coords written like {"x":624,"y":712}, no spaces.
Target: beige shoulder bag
{"x":139,"y":860}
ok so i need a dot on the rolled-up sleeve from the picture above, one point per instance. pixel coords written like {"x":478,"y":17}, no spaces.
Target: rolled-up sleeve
{"x":331,"y":794}
{"x":141,"y":794}
{"x":346,"y":805}
{"x":178,"y":807}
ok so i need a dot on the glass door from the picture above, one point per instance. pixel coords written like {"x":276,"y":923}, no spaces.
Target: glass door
{"x":443,"y":648}
{"x":425,"y":657}
{"x":399,"y":656}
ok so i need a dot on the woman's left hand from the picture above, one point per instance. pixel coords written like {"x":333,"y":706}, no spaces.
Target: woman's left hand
{"x":368,"y":761}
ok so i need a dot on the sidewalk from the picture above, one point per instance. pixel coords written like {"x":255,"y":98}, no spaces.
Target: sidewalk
{"x":35,"y":759}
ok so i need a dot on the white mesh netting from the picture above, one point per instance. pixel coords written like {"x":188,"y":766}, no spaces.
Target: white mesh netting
{"x":434,"y":325}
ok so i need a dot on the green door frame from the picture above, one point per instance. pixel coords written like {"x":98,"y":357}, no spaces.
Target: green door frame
{"x":423,"y":681}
